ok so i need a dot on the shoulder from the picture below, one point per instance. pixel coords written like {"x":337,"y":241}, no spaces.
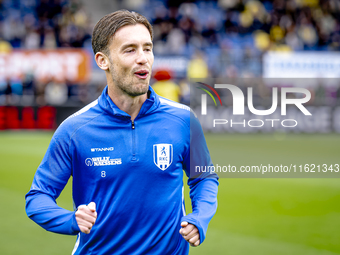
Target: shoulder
{"x":172,"y":107}
{"x":177,"y":110}
{"x":77,"y":120}
{"x":169,"y":104}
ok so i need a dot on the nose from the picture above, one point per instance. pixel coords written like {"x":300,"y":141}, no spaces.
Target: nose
{"x":141,"y":58}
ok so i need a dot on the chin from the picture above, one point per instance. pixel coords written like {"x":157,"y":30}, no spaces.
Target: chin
{"x":145,"y":90}
{"x":143,"y":87}
{"x":140,"y":91}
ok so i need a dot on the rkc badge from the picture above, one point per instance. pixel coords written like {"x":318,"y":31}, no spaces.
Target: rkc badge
{"x":162,"y":155}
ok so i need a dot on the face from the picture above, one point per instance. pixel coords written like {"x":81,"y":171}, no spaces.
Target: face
{"x":131,"y":59}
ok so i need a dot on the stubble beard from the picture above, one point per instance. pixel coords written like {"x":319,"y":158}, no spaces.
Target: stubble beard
{"x":126,"y":85}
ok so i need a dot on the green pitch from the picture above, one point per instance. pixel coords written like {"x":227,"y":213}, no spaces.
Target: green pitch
{"x":255,"y":216}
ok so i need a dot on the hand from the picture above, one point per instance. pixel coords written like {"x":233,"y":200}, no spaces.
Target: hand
{"x":190,"y":233}
{"x":86,"y":216}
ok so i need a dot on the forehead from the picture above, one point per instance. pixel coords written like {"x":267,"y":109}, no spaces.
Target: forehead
{"x":131,"y":34}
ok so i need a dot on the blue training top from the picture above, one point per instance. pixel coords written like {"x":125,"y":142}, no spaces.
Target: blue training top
{"x":132,"y":171}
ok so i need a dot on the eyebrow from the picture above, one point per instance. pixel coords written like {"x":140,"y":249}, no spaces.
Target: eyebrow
{"x":134,"y":45}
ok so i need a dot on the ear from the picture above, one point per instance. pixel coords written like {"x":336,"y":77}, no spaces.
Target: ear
{"x":102,"y":61}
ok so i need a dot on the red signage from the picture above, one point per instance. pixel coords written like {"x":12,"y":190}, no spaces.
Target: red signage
{"x":45,"y":117}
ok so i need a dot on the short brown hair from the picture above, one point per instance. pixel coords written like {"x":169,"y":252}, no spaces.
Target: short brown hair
{"x":110,"y":23}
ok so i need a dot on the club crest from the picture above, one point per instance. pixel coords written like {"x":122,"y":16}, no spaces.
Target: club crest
{"x":162,"y":155}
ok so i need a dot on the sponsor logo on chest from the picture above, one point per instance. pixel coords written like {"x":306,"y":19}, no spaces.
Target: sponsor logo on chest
{"x":103,"y":161}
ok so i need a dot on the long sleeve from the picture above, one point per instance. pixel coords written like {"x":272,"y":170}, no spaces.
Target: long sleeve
{"x":203,"y":183}
{"x":49,"y":180}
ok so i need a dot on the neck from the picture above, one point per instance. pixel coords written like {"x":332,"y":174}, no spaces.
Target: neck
{"x":129,"y":104}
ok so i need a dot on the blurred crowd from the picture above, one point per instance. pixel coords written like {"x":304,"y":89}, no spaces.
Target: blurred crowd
{"x":263,"y":25}
{"x":32,"y":24}
{"x":222,"y":38}
{"x":235,"y":33}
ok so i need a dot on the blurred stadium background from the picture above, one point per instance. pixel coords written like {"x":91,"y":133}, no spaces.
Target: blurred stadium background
{"x":47,"y":72}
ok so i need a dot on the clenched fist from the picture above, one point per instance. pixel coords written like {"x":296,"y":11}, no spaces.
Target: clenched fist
{"x":86,"y":216}
{"x":190,"y":233}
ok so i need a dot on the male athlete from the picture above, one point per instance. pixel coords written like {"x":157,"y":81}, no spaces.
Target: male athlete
{"x":126,"y":153}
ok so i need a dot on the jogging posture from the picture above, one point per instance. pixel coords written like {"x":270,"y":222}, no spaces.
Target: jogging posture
{"x":126,"y":152}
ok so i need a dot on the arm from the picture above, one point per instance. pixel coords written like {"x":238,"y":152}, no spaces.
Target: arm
{"x":43,"y":210}
{"x":203,"y":185}
{"x":49,"y":180}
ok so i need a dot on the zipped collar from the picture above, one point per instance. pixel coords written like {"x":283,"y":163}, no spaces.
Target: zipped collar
{"x":149,"y":106}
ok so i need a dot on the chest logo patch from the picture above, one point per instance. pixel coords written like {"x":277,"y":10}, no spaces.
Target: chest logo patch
{"x":162,"y":155}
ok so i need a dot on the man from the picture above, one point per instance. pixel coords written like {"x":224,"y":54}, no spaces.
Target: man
{"x":126,"y":152}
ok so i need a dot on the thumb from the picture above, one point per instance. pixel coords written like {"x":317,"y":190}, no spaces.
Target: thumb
{"x":92,"y":206}
{"x":184,"y":224}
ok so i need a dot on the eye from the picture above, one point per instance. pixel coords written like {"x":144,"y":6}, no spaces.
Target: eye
{"x":129,"y":50}
{"x":148,"y":49}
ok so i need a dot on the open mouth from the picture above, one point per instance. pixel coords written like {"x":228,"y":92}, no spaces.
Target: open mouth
{"x":142,"y":74}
